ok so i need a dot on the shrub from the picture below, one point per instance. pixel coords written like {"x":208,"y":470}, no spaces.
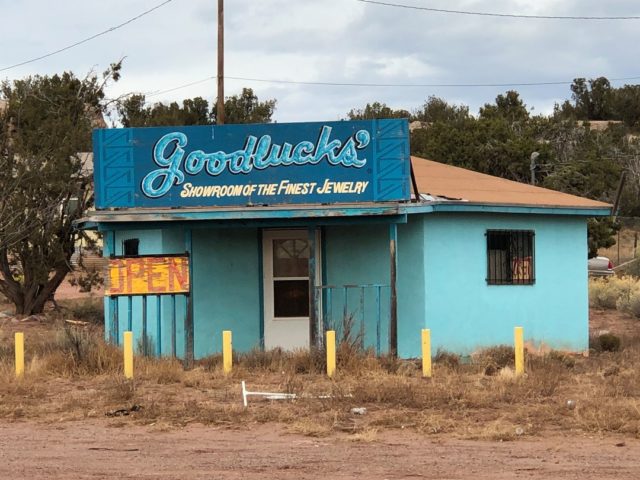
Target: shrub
{"x":447,"y":359}
{"x":622,"y":293}
{"x":499,"y":356}
{"x":609,"y":342}
{"x":604,"y":292}
{"x":80,"y":351}
{"x":562,"y":358}
{"x":629,"y":299}
{"x":88,"y":310}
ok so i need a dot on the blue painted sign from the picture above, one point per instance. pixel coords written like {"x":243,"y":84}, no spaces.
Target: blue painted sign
{"x":245,"y":165}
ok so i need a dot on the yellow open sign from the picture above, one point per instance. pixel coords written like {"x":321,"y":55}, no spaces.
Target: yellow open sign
{"x":148,"y":276}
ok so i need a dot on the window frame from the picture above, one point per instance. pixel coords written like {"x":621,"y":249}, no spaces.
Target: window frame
{"x":131,"y":241}
{"x":522,"y":236}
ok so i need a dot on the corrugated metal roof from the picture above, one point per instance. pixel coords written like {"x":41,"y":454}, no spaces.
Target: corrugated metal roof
{"x":454,"y":183}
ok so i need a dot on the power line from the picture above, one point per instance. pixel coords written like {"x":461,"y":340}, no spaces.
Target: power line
{"x":376,"y":85}
{"x":68,"y":47}
{"x":409,"y":85}
{"x":507,"y":15}
{"x":197,"y":82}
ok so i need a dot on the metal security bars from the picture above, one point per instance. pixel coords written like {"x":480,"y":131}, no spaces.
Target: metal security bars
{"x":359,"y":314}
{"x":510,"y":257}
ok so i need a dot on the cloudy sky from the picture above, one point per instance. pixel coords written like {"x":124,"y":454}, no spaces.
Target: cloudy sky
{"x":328,"y":41}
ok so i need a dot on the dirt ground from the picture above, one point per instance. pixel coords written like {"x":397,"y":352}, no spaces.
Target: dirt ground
{"x":90,"y":450}
{"x":58,"y":447}
{"x":613,"y":321}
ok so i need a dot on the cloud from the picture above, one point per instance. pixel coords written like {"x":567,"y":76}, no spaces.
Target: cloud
{"x":328,"y":40}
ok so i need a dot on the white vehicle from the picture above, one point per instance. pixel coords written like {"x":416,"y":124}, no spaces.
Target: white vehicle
{"x":600,"y":267}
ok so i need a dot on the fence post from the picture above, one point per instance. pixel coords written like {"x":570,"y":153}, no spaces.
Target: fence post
{"x":518,"y":334}
{"x":426,"y":352}
{"x":19,"y":348}
{"x":128,"y":354}
{"x":227,"y":351}
{"x":331,"y":352}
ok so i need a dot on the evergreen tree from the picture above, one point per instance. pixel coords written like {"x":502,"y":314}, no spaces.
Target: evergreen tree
{"x":45,"y":179}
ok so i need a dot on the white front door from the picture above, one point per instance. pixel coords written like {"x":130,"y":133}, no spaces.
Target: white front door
{"x":286,"y":288}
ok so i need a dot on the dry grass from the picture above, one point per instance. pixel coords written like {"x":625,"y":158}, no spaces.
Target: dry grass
{"x":619,"y":292}
{"x":72,"y":374}
{"x":623,"y":250}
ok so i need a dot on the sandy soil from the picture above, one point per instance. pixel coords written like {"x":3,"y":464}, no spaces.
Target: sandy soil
{"x":613,"y":321}
{"x":94,"y":451}
{"x":67,"y":291}
{"x":118,"y":448}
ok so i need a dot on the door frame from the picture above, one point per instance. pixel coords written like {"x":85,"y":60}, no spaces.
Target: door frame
{"x":266,"y":250}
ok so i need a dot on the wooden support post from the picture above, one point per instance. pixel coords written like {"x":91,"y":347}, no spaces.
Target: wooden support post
{"x":188,"y":323}
{"x":112,"y":301}
{"x":145,"y":336}
{"x":426,"y":353}
{"x":227,"y":352}
{"x":128,"y":354}
{"x":314,"y":337}
{"x":393,"y":301}
{"x":331,"y":353}
{"x":19,"y":349}
{"x":414,"y":185}
{"x":220,"y":103}
{"x":518,"y":334}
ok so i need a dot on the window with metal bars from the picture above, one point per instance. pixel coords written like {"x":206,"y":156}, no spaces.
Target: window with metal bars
{"x":510,"y":257}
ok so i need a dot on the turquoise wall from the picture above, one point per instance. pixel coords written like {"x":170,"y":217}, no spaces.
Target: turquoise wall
{"x":359,"y":255}
{"x":226,"y":289}
{"x":442,"y":284}
{"x":411,"y":286}
{"x":465,"y":313}
{"x":151,"y":242}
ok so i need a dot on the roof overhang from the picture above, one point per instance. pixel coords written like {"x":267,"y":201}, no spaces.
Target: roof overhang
{"x":470,"y":207}
{"x":319,"y":214}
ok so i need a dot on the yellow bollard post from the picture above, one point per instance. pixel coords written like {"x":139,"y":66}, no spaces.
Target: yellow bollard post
{"x":19,"y":342}
{"x":518,"y":334}
{"x":426,"y":352}
{"x":128,"y":355}
{"x":227,"y":351}
{"x":331,"y":352}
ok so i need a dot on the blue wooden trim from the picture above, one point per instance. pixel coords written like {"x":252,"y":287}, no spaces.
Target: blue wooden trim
{"x":314,"y":338}
{"x":158,"y":326}
{"x":110,"y":243}
{"x":269,"y":218}
{"x":130,"y":313}
{"x":261,"y":287}
{"x":393,"y":302}
{"x":173,"y":326}
{"x":145,"y":333}
{"x":248,"y":213}
{"x":293,"y":223}
{"x":114,"y":334}
{"x":521,"y":209}
{"x":323,"y":275}
{"x":189,"y":324}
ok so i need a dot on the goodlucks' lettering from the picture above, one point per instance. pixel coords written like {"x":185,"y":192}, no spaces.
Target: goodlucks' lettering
{"x":258,"y":153}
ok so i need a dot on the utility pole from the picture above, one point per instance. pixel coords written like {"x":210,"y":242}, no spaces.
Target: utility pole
{"x":532,"y":167}
{"x":616,"y":203}
{"x":220,"y":105}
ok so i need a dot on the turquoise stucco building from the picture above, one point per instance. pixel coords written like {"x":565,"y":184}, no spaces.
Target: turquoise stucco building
{"x":469,"y":256}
